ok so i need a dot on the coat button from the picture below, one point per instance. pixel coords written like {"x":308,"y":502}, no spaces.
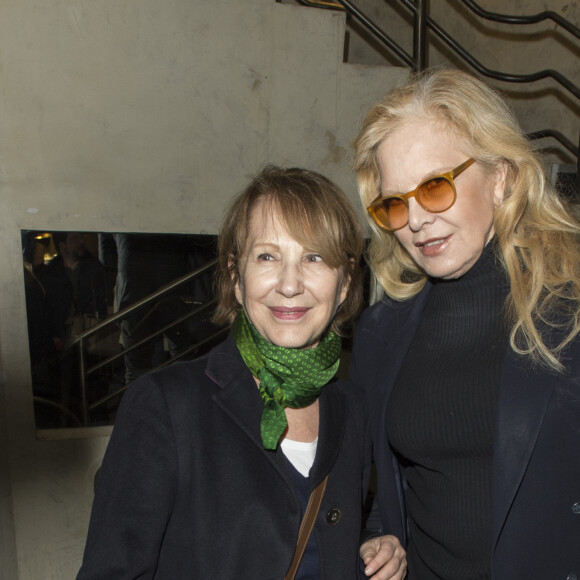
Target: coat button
{"x":333,"y":516}
{"x":576,"y":508}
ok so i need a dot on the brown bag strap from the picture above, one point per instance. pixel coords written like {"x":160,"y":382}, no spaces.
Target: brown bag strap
{"x":306,"y":527}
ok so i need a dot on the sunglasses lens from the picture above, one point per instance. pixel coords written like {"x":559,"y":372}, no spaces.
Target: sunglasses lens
{"x":395,"y":213}
{"x":436,"y":194}
{"x":391,"y":213}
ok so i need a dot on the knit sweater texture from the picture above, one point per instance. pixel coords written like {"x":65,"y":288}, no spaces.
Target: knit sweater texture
{"x":440,"y":422}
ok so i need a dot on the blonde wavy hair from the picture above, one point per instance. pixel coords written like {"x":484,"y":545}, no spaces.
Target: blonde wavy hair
{"x":537,"y":235}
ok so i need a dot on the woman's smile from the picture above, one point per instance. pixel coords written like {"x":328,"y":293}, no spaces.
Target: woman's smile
{"x":292,"y":313}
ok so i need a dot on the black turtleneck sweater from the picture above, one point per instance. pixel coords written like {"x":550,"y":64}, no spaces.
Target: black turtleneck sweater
{"x":440,"y":422}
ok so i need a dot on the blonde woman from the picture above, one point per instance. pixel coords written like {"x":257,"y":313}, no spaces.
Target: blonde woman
{"x":470,"y":364}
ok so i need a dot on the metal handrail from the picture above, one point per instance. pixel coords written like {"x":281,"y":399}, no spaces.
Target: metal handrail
{"x":532,"y":19}
{"x":497,"y":75}
{"x":175,"y":358}
{"x":378,"y":32}
{"x":120,"y":314}
{"x":547,"y":133}
{"x":417,"y":61}
{"x":81,"y":339}
{"x":164,"y":329}
{"x":470,"y":4}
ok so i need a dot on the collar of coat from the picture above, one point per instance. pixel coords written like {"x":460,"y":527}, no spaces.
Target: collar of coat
{"x":239,"y":397}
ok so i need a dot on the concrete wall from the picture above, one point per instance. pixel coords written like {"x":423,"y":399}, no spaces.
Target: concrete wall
{"x":141,"y":116}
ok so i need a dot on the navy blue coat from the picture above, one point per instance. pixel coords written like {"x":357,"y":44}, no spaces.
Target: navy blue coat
{"x":187,"y":491}
{"x":536,"y":466}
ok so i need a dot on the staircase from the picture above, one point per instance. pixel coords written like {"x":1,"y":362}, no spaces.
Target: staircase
{"x":542,"y":46}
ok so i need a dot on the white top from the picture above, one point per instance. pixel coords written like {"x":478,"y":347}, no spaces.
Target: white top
{"x":300,"y":454}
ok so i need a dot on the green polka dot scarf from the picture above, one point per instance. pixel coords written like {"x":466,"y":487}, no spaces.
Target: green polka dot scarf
{"x":289,"y":377}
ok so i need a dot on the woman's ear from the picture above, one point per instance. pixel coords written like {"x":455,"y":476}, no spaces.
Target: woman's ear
{"x":499,"y":182}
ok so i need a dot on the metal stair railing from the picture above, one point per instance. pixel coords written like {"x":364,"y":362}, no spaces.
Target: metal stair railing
{"x":417,"y":62}
{"x":497,"y":75}
{"x":533,"y":19}
{"x":81,"y":340}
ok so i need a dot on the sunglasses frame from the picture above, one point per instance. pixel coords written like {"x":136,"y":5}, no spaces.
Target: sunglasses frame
{"x":449,"y":176}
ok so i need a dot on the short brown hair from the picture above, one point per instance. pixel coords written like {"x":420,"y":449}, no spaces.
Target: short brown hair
{"x":316,"y":214}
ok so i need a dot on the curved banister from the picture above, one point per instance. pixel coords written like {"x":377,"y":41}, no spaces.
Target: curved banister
{"x":80,"y":341}
{"x":507,"y":77}
{"x":456,"y":46}
{"x":395,"y":48}
{"x":416,"y":62}
{"x":533,"y":19}
{"x":483,"y":13}
{"x":562,"y":139}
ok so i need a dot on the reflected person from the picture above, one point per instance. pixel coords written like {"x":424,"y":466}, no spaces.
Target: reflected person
{"x":145,"y":263}
{"x":75,"y":287}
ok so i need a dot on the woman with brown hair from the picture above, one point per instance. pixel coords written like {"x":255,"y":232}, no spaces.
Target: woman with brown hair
{"x":212,"y":462}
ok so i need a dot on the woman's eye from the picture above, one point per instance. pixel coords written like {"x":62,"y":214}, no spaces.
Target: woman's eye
{"x":314,"y":258}
{"x":265,"y":257}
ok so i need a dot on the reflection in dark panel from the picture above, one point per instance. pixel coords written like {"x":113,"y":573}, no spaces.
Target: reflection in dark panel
{"x":98,"y":293}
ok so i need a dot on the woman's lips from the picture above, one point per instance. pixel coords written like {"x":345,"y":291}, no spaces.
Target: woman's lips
{"x":292,"y":313}
{"x":433,"y":246}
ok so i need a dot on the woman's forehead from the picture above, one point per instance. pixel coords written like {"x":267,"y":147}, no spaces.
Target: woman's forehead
{"x":268,"y":218}
{"x":416,"y":151}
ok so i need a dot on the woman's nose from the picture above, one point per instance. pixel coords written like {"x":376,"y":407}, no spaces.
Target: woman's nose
{"x":290,"y":281}
{"x":418,"y":216}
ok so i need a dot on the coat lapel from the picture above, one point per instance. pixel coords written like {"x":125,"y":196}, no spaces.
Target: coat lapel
{"x":330,"y":432}
{"x":380,"y":349}
{"x":400,"y":326}
{"x":524,"y":396}
{"x":240,"y":399}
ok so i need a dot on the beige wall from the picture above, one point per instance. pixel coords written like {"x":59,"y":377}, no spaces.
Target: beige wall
{"x":141,"y":116}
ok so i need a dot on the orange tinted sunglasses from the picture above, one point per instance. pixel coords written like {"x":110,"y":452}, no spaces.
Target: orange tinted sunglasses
{"x":435,"y":195}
